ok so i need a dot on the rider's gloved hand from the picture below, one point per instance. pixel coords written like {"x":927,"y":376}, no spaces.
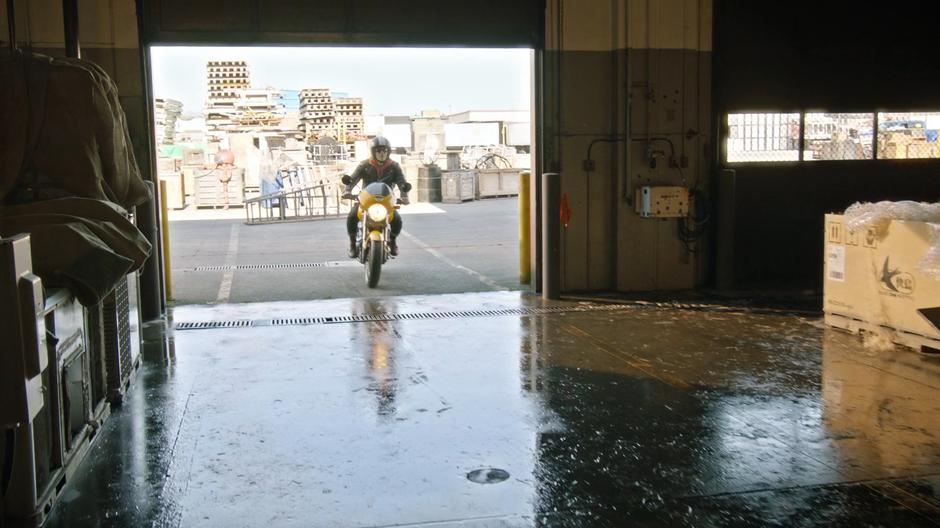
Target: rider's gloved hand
{"x":404,"y":199}
{"x":348,"y":194}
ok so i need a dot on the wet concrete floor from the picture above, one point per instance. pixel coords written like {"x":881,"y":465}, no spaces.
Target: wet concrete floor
{"x":632,"y":417}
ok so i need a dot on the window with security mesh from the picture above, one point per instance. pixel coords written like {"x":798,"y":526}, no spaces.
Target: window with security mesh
{"x":775,"y":137}
{"x":762,"y":137}
{"x":829,"y":136}
{"x":908,"y":135}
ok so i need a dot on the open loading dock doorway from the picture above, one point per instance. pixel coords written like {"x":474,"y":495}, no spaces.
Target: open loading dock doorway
{"x":290,"y":121}
{"x":171,"y":23}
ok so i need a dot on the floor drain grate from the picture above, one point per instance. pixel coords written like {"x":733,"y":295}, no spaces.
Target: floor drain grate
{"x":298,"y":265}
{"x":376,"y":317}
{"x":213,"y":324}
{"x":293,"y":321}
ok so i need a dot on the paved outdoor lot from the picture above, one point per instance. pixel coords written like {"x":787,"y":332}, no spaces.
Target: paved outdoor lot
{"x":445,"y":248}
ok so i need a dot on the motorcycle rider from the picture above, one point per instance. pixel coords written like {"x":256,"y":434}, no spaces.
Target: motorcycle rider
{"x":382,"y":169}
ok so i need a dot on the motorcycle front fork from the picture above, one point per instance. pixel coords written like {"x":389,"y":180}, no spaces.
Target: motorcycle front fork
{"x":362,"y":234}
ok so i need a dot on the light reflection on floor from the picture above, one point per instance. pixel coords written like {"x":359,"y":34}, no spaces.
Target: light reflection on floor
{"x":600,"y":418}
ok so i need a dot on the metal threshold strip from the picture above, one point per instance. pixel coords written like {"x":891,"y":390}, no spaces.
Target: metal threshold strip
{"x":374,"y":317}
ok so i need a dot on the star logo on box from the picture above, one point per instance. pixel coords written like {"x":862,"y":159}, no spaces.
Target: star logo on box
{"x":896,"y":280}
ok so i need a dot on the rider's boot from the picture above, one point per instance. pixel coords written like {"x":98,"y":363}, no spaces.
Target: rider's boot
{"x":353,"y":248}
{"x":393,"y":246}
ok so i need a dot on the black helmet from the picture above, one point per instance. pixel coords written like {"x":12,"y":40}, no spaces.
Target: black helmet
{"x":379,"y":142}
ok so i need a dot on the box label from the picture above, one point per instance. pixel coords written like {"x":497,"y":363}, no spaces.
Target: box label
{"x":835,"y":232}
{"x":870,"y":240}
{"x":851,"y":238}
{"x":835,"y":262}
{"x":895,"y":281}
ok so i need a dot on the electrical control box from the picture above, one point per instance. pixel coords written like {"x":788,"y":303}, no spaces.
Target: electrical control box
{"x":662,"y":201}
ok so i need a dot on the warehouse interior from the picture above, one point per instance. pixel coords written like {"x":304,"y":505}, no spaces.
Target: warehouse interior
{"x":654,"y":373}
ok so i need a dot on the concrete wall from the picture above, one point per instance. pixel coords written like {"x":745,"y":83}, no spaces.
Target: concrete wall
{"x":625,"y":71}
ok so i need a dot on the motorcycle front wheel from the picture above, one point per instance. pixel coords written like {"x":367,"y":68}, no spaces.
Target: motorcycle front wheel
{"x":374,"y":262}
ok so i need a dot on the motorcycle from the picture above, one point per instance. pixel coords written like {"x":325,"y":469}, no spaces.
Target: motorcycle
{"x":376,"y":211}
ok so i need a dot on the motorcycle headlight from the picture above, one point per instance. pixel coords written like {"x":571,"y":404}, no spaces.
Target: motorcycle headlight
{"x":377,"y":213}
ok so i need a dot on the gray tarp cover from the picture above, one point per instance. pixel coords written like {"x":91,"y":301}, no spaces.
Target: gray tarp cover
{"x":84,"y":245}
{"x":64,"y":132}
{"x":67,"y":172}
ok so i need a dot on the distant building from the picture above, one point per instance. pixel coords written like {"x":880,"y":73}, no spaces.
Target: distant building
{"x":397,"y":129}
{"x":427,"y":130}
{"x":430,"y":131}
{"x":481,"y":116}
{"x":489,"y":127}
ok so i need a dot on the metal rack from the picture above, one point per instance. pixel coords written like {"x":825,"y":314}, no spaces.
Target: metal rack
{"x":54,"y":403}
{"x":317,"y":201}
{"x":120,"y":325}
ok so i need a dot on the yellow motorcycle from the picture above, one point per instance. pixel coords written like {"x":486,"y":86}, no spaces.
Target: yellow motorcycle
{"x":376,"y":211}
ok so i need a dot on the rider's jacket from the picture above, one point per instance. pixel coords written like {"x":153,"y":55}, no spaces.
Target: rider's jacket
{"x":370,"y":171}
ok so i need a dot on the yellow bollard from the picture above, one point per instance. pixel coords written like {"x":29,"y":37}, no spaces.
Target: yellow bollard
{"x":165,"y":235}
{"x":524,"y":228}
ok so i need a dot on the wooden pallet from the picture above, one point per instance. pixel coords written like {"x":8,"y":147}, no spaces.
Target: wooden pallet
{"x":457,"y":200}
{"x":928,"y":345}
{"x":505,"y":195}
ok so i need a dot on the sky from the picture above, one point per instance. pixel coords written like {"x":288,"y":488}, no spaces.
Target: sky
{"x":391,"y":81}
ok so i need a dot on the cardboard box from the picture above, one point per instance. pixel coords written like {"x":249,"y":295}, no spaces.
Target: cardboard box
{"x":871,"y":282}
{"x":175,"y":195}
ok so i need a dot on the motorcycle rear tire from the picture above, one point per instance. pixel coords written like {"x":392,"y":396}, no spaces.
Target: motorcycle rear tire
{"x":374,"y":262}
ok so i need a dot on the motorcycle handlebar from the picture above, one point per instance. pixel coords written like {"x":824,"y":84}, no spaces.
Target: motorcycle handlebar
{"x":403,"y":200}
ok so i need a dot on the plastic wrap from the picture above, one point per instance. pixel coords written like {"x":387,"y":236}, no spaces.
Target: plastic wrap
{"x":863,"y":216}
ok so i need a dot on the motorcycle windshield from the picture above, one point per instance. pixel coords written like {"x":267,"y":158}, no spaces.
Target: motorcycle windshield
{"x":378,"y":190}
